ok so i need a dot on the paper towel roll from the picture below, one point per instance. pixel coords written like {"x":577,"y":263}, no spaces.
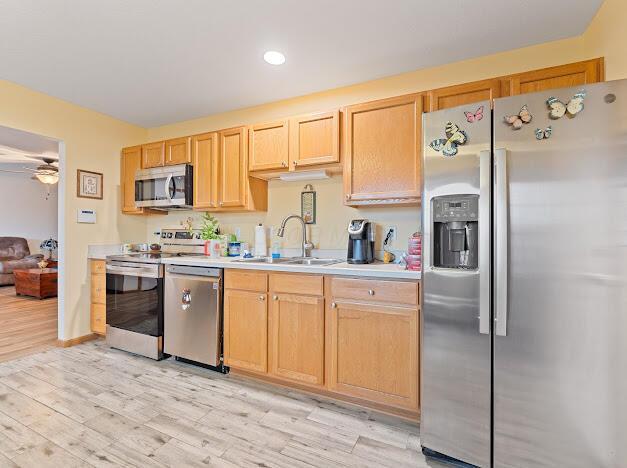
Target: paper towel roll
{"x":261,"y":248}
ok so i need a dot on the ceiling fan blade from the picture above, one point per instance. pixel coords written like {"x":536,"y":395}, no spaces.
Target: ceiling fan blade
{"x":14,"y":172}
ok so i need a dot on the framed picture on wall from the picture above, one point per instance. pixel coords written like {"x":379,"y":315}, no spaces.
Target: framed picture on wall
{"x":88,"y":184}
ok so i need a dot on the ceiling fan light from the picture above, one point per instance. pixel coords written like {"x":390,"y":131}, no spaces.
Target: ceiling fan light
{"x":50,"y":178}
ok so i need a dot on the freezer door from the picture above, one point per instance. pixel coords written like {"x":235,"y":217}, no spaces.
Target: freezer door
{"x":560,"y":344}
{"x":455,"y":394}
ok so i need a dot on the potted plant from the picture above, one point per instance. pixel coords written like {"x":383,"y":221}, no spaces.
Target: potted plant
{"x":210,"y":233}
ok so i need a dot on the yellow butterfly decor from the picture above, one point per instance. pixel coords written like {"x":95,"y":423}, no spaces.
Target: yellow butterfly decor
{"x":454,"y":136}
{"x":559,"y":109}
{"x":517,"y":120}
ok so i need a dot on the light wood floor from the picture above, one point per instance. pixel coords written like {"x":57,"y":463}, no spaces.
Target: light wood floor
{"x":27,"y":324}
{"x":90,"y":405}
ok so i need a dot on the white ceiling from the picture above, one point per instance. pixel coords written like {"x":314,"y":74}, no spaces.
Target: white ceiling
{"x":152,"y":62}
{"x":23,"y":148}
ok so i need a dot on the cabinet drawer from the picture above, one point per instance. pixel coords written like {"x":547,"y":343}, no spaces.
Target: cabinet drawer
{"x":98,"y":267}
{"x":98,"y":318}
{"x":98,"y":289}
{"x":297,"y":284}
{"x":398,"y":292}
{"x":246,"y":280}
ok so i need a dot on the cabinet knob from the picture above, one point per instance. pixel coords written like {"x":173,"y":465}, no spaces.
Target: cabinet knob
{"x":284,"y":164}
{"x":347,"y":196}
{"x":295,"y":163}
{"x":262,"y":298}
{"x":221,"y":203}
{"x":371,"y":292}
{"x":275,"y":297}
{"x":333,"y":305}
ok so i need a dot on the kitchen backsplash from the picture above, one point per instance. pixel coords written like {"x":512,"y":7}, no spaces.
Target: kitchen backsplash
{"x":332,"y":219}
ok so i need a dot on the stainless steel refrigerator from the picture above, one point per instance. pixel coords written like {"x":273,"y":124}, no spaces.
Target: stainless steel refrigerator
{"x":524,"y":337}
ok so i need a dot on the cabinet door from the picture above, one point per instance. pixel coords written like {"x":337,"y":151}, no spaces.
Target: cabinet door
{"x":374,"y":353}
{"x":233,"y":160}
{"x":467,"y":93}
{"x":153,"y":155}
{"x":315,"y":139}
{"x":130,"y":163}
{"x":246,"y":330}
{"x":205,"y":160}
{"x":383,"y":151}
{"x":178,"y":151}
{"x":297,"y":338}
{"x":563,"y":76}
{"x":268,"y":146}
{"x":98,"y":319}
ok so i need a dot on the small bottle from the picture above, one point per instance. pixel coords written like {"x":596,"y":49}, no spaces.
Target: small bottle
{"x":276,"y":248}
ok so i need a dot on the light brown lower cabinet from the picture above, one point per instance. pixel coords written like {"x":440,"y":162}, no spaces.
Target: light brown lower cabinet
{"x":348,"y":338}
{"x":98,"y":288}
{"x":374,"y":352}
{"x":297,"y":338}
{"x":246,"y":330}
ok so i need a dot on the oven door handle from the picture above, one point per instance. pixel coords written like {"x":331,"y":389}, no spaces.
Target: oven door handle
{"x":133,"y":271}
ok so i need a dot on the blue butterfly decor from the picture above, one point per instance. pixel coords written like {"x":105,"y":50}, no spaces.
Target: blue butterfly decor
{"x":454,"y":137}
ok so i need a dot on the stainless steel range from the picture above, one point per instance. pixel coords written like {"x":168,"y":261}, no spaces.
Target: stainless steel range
{"x":135,"y":294}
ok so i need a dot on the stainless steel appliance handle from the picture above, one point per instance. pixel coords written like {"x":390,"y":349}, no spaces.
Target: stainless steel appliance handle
{"x":167,"y":187}
{"x":485,"y":229}
{"x":133,"y":271}
{"x":501,"y":237}
{"x":208,"y":279}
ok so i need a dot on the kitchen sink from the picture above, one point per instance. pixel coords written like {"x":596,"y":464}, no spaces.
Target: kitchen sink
{"x":291,"y":261}
{"x":263,"y":260}
{"x":314,"y":261}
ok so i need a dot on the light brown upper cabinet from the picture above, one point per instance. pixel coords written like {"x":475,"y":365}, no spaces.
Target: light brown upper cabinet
{"x":572,"y":74}
{"x":467,"y":93}
{"x":268,"y":146}
{"x":382,"y":151}
{"x":153,"y":155}
{"x":130,"y":162}
{"x":233,"y":159}
{"x":315,"y":139}
{"x":236,"y":190}
{"x":205,"y":160}
{"x":178,"y":151}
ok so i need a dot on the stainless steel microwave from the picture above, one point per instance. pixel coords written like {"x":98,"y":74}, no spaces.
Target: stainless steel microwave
{"x":165,"y":188}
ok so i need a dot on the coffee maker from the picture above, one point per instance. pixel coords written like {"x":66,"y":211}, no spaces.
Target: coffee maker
{"x":360,"y":241}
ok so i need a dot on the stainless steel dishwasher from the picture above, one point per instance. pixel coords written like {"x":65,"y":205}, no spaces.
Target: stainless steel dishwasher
{"x":192,"y":328}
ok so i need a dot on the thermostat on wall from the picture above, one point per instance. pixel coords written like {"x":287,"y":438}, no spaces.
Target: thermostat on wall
{"x":86,"y":216}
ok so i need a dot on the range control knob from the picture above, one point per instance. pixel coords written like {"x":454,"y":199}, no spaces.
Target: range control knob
{"x":169,"y":235}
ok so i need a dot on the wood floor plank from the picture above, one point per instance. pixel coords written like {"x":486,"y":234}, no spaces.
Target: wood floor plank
{"x":91,"y":405}
{"x":27,"y":325}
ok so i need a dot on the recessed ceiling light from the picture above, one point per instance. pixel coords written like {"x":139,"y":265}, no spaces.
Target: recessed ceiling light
{"x":274,"y":58}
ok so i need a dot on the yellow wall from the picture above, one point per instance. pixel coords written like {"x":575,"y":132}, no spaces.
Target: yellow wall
{"x":92,"y":142}
{"x":607,"y":36}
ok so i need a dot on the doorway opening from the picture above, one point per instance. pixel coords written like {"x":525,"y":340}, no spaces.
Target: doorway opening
{"x":31,"y":241}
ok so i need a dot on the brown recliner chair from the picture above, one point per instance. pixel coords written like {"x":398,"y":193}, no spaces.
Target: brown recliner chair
{"x":15,"y":255}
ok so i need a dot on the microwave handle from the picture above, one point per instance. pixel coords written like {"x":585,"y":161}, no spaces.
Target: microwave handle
{"x":167,"y":187}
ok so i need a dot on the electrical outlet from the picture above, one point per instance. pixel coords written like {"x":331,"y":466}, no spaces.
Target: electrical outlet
{"x":394,"y":231}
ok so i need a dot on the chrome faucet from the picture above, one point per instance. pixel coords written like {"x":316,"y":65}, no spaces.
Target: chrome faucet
{"x":307,"y":246}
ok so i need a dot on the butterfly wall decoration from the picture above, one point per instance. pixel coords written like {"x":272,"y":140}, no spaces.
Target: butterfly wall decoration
{"x":454,"y":137}
{"x":517,"y":120}
{"x":544,"y":134}
{"x":474,"y":116}
{"x":559,"y":109}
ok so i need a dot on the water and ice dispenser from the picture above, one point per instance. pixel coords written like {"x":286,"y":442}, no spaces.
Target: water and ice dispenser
{"x":456,"y":231}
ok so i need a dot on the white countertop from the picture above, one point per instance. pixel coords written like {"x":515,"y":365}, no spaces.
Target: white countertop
{"x":377,"y":269}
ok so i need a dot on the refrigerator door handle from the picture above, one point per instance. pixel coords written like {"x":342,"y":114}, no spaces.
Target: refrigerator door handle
{"x":485,"y":228}
{"x":501,"y":237}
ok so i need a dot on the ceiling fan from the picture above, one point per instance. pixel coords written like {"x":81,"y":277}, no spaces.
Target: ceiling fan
{"x":46,"y":172}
